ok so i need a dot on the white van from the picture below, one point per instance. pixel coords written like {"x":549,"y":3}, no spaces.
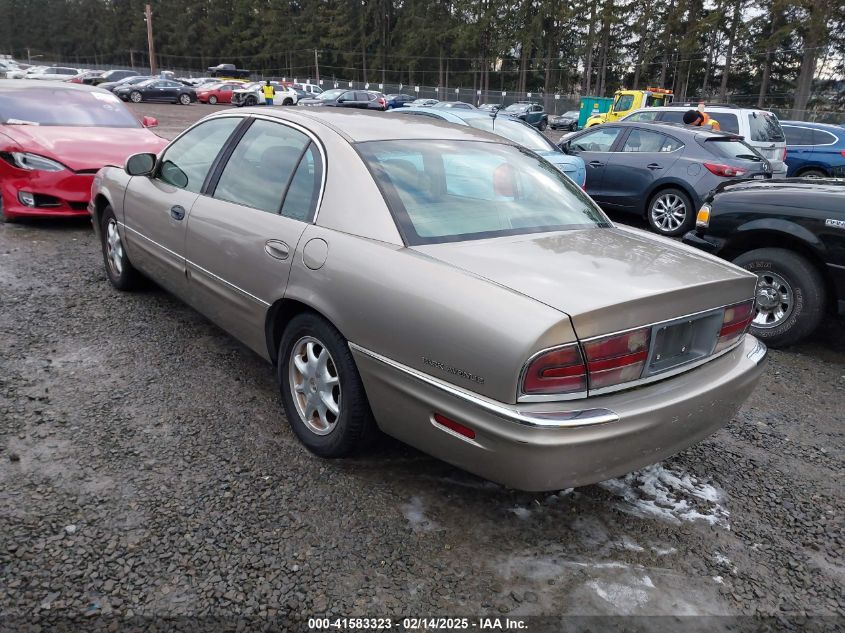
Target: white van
{"x":759,"y":128}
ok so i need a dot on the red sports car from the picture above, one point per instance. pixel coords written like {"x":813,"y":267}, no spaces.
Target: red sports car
{"x":218,"y":93}
{"x":54,"y":137}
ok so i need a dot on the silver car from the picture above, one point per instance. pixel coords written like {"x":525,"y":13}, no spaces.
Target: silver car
{"x":450,"y":288}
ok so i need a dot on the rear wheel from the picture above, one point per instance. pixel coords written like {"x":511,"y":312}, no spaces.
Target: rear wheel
{"x":321,"y":389}
{"x":670,"y":212}
{"x":120,"y":271}
{"x":790,"y":295}
{"x":185,"y":99}
{"x":212,"y":100}
{"x":813,"y":173}
{"x":288,"y":102}
{"x":135,"y":96}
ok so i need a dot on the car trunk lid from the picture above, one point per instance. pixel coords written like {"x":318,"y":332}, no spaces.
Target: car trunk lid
{"x":605,"y":279}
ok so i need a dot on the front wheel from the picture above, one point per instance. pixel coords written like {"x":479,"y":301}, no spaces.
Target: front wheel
{"x":321,"y":389}
{"x":185,"y":99}
{"x":212,"y":100}
{"x":543,"y":125}
{"x":670,"y":212}
{"x":813,"y":173}
{"x":251,"y":101}
{"x":120,"y":271}
{"x":135,"y":96}
{"x":287,"y":102}
{"x":790,"y":295}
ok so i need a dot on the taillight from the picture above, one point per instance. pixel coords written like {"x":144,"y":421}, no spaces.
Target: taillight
{"x":725,"y":171}
{"x":561,"y":370}
{"x":783,"y":158}
{"x":735,"y":324}
{"x":382,"y":102}
{"x":616,"y":359}
{"x":842,"y":153}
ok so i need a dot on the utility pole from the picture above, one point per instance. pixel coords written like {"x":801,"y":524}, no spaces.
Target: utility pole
{"x":317,"y":66}
{"x":132,"y":59}
{"x":148,"y":16}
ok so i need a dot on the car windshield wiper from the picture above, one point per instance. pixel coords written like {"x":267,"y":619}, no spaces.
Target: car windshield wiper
{"x":749,"y":157}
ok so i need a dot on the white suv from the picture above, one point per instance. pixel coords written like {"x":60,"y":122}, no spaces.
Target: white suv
{"x":759,"y":128}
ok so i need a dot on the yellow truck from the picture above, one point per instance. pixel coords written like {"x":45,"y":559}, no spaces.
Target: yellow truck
{"x":626,"y":101}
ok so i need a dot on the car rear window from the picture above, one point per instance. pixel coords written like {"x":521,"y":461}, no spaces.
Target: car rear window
{"x":451,"y":191}
{"x":798,"y":135}
{"x":733,"y":148}
{"x":764,"y":127}
{"x":728,"y":122}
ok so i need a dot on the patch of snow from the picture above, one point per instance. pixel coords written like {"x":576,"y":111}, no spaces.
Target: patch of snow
{"x":624,"y":598}
{"x":724,"y":561}
{"x":718,"y":579}
{"x":522,"y":513}
{"x":70,"y":529}
{"x":664,"y":551}
{"x":414,"y":511}
{"x":658,"y":492}
{"x":628,"y":543}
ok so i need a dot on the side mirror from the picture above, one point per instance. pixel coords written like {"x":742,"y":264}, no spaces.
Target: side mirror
{"x":341,"y":100}
{"x":140,"y":164}
{"x":149,"y":121}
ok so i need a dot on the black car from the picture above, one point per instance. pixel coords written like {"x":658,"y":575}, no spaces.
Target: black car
{"x":566,"y":121}
{"x":128,"y":81}
{"x":110,"y":76}
{"x":398,"y":100}
{"x":158,"y":90}
{"x":345,"y":98}
{"x":531,"y":113}
{"x":791,"y":233}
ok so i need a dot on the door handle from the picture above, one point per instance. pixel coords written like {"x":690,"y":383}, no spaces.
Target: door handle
{"x":654,"y":166}
{"x":277,"y":249}
{"x":177,"y":212}
{"x":596,"y":163}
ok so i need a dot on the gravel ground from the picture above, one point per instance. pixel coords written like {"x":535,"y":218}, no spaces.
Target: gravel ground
{"x":146,"y":470}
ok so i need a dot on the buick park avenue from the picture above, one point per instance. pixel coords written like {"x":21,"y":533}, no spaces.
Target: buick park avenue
{"x":440,"y":284}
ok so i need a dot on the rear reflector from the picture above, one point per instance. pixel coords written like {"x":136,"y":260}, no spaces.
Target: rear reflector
{"x":616,"y":359}
{"x":725,"y":171}
{"x":458,"y":428}
{"x":561,"y":370}
{"x":735,"y":324}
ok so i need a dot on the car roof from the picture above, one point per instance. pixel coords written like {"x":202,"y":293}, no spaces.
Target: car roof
{"x":671,"y":128}
{"x":830,"y":127}
{"x":725,"y":109}
{"x":358,"y":126}
{"x":14,"y":85}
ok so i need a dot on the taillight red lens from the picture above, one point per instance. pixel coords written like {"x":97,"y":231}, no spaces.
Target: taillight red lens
{"x":783,"y":158}
{"x":725,"y":171}
{"x":616,"y":359}
{"x":559,"y":371}
{"x":735,"y":324}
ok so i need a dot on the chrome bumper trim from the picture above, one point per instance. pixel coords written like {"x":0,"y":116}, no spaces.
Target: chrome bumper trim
{"x":758,"y":354}
{"x":546,"y":419}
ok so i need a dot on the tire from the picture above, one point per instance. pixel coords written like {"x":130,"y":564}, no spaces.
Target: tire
{"x":119,"y":269}
{"x":185,"y":99}
{"x":251,"y":101}
{"x":287,"y":102}
{"x":136,"y":97}
{"x":212,"y":100}
{"x":543,"y":125}
{"x":790,"y":295}
{"x":328,"y":434}
{"x":812,"y":173}
{"x":670,"y":212}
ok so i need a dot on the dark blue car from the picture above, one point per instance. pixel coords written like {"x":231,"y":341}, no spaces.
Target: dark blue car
{"x":814,"y":150}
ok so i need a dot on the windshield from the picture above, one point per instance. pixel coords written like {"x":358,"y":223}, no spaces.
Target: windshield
{"x":38,"y":106}
{"x":516,"y":131}
{"x":733,"y":148}
{"x":452,"y":191}
{"x":765,"y":128}
{"x":572,"y":114}
{"x":330,"y":95}
{"x":516,"y":107}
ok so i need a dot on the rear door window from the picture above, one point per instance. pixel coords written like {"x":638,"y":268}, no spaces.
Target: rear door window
{"x":764,"y":128}
{"x":644,"y":141}
{"x":798,"y":135}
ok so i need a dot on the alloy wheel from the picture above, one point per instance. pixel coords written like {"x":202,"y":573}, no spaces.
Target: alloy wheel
{"x":135,"y":97}
{"x":669,"y":212}
{"x":775,"y":300}
{"x":114,"y":248}
{"x":185,"y":99}
{"x":315,"y":385}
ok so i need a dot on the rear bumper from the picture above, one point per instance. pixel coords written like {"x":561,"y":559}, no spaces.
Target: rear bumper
{"x":60,"y":194}
{"x":551,"y":446}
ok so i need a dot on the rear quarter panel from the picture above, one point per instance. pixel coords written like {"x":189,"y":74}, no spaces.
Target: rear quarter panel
{"x":409,"y":307}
